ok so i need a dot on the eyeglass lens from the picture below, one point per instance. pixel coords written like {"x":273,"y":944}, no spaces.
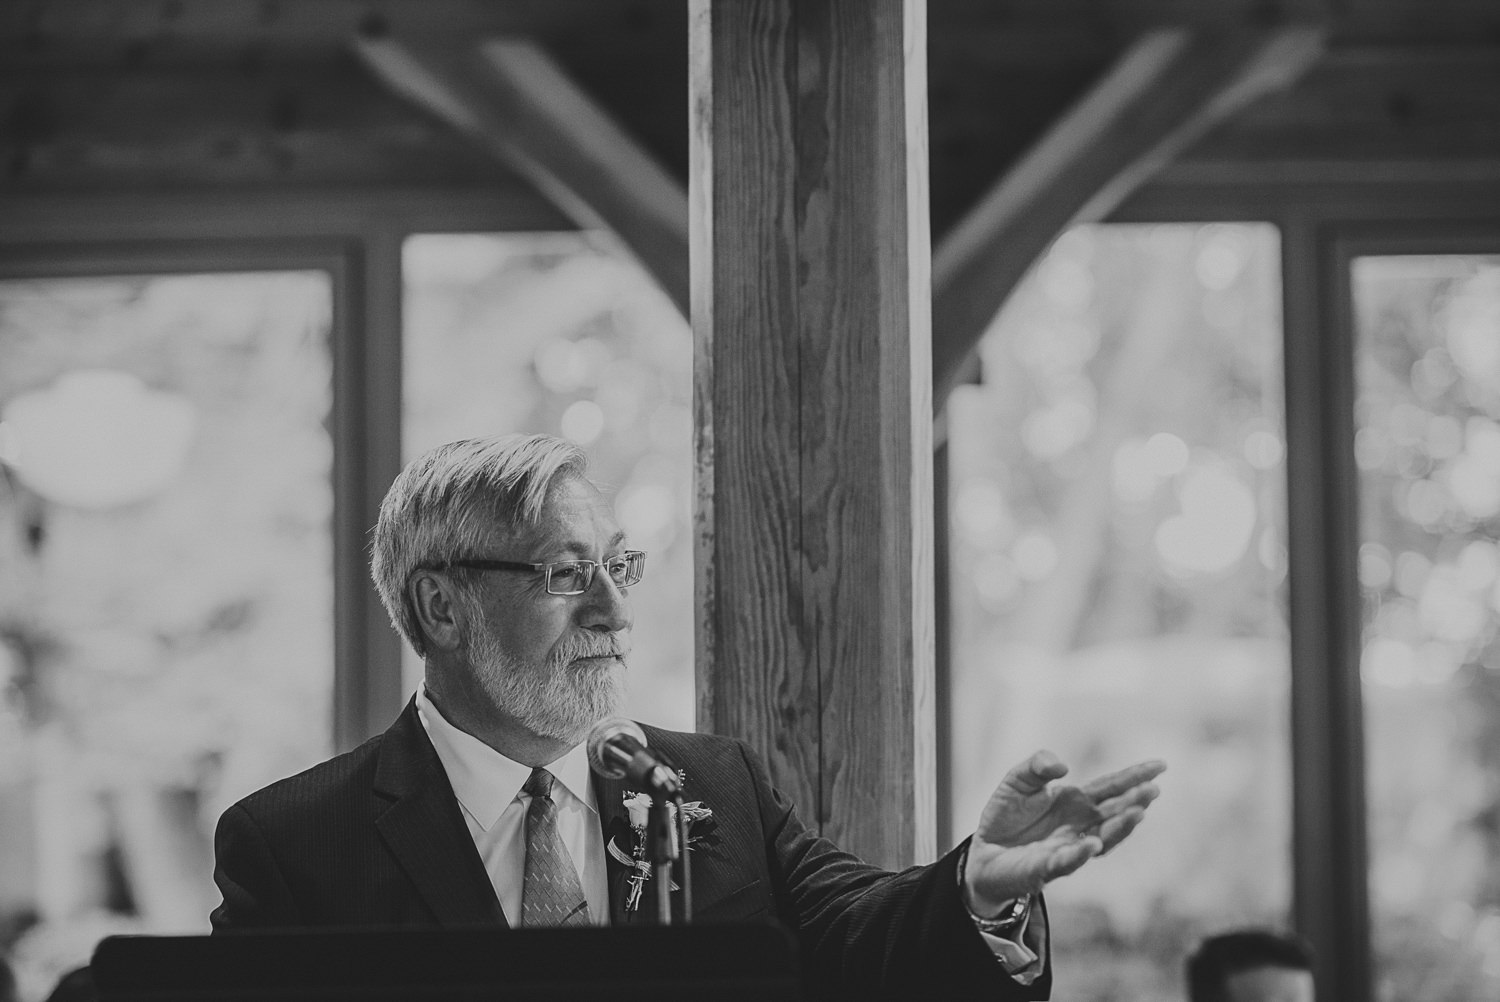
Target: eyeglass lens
{"x":573,"y":577}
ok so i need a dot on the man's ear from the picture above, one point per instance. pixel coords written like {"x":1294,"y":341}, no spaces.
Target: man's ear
{"x":439,"y":615}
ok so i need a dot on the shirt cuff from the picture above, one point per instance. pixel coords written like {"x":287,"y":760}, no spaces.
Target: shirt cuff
{"x":1018,"y":959}
{"x":1022,"y":961}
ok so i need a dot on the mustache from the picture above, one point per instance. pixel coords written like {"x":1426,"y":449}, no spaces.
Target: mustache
{"x":577,"y":646}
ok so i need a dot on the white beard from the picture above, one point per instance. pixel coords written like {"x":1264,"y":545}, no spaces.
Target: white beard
{"x":557,"y":699}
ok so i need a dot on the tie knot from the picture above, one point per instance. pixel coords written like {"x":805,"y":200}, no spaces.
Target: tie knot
{"x":539,"y":784}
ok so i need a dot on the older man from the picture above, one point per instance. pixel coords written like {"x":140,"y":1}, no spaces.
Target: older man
{"x":504,"y":567}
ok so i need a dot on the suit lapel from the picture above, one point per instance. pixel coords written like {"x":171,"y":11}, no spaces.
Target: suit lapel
{"x":709,"y":878}
{"x":712,"y":880}
{"x":424,"y":828}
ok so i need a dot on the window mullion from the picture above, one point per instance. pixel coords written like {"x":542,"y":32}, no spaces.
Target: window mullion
{"x":1329,"y":840}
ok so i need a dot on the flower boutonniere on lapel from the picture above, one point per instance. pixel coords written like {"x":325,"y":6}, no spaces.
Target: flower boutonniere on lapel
{"x":699,"y":823}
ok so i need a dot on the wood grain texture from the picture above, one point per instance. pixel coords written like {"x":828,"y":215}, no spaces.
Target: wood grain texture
{"x":1166,"y":91}
{"x":267,"y":215}
{"x":1373,"y":108}
{"x":514,"y":100}
{"x":811,"y":325}
{"x":755,"y":679}
{"x":199,"y":25}
{"x":213,"y":125}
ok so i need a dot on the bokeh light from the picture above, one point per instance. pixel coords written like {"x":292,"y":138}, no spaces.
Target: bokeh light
{"x":98,"y":438}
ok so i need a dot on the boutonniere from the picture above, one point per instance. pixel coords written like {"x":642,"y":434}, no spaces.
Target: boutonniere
{"x":639,"y":806}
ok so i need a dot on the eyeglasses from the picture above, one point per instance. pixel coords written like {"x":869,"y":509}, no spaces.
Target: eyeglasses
{"x":569,"y":577}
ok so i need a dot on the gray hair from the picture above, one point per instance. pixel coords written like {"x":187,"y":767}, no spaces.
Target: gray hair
{"x":447,"y":503}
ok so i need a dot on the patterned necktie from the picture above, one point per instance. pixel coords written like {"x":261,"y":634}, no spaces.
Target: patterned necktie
{"x":551,"y":894}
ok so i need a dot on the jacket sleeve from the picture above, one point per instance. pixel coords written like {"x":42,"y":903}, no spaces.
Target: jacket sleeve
{"x":256,"y":895}
{"x":864,"y":932}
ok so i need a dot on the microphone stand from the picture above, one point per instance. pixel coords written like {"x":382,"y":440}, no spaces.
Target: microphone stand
{"x":666,"y":843}
{"x":685,"y":876}
{"x":617,"y":749}
{"x":661,"y":849}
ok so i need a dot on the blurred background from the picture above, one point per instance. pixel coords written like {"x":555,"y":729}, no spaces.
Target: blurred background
{"x":1118,"y":563}
{"x":241,"y":282}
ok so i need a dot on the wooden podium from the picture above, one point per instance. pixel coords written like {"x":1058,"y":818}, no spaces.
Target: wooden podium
{"x":735,"y":963}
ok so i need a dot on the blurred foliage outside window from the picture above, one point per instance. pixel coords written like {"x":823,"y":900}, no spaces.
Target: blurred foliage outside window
{"x":1117,"y":528}
{"x":1428,"y":448}
{"x":550,"y":332}
{"x":1118,"y":566}
{"x":165,"y":589}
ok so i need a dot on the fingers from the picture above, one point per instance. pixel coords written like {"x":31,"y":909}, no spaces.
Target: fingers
{"x":1064,"y":859}
{"x":1113,"y":831}
{"x":1116,"y":783}
{"x":1139,"y":796}
{"x":1124,"y":812}
{"x":1036,"y":772}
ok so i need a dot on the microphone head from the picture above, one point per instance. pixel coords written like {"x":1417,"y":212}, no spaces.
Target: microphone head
{"x":605,"y":732}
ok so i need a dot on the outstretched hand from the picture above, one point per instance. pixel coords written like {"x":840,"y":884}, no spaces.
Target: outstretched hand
{"x":1033,"y":831}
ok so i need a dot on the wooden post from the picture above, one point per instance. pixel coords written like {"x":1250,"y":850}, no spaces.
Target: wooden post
{"x":811,"y":320}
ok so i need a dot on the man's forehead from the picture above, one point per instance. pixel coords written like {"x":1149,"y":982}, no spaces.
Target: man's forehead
{"x":575,"y":516}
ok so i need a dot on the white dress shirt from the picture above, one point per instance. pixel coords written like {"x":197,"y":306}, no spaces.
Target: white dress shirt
{"x":488,"y":788}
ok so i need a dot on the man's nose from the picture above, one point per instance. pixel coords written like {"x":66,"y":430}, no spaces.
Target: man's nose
{"x":606,"y":607}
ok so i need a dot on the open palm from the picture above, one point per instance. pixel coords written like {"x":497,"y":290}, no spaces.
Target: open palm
{"x":1034,"y":830}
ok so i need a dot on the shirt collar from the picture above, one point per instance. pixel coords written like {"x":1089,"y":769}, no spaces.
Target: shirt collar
{"x":485,"y":781}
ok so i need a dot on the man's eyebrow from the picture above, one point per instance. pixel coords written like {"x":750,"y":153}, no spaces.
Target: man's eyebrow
{"x":575,"y":546}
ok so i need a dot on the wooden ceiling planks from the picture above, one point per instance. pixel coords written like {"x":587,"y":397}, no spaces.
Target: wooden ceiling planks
{"x":294,"y":125}
{"x":1405,"y":82}
{"x":316,"y":26}
{"x":1368,"y":104}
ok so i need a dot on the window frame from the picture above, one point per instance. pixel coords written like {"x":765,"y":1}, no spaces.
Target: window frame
{"x":356,"y":239}
{"x":355,"y":644}
{"x":1340,"y":243}
{"x":1323,"y":227}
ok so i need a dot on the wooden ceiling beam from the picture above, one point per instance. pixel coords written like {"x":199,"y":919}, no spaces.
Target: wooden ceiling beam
{"x":1166,"y":91}
{"x":512,"y":98}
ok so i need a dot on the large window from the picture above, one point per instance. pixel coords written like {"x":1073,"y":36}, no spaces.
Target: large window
{"x":172,"y":453}
{"x":1118,"y":568}
{"x":1119,"y":589}
{"x":1428,"y":448}
{"x":166,"y":638}
{"x":173,"y":450}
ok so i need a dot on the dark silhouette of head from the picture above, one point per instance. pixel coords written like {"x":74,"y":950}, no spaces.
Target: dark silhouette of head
{"x":8,"y":991}
{"x":1250,"y":965}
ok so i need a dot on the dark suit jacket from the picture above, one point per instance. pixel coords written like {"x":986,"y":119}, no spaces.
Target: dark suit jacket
{"x":375,"y":837}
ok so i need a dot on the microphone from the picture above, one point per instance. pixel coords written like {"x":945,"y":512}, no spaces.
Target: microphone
{"x":617,"y":750}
